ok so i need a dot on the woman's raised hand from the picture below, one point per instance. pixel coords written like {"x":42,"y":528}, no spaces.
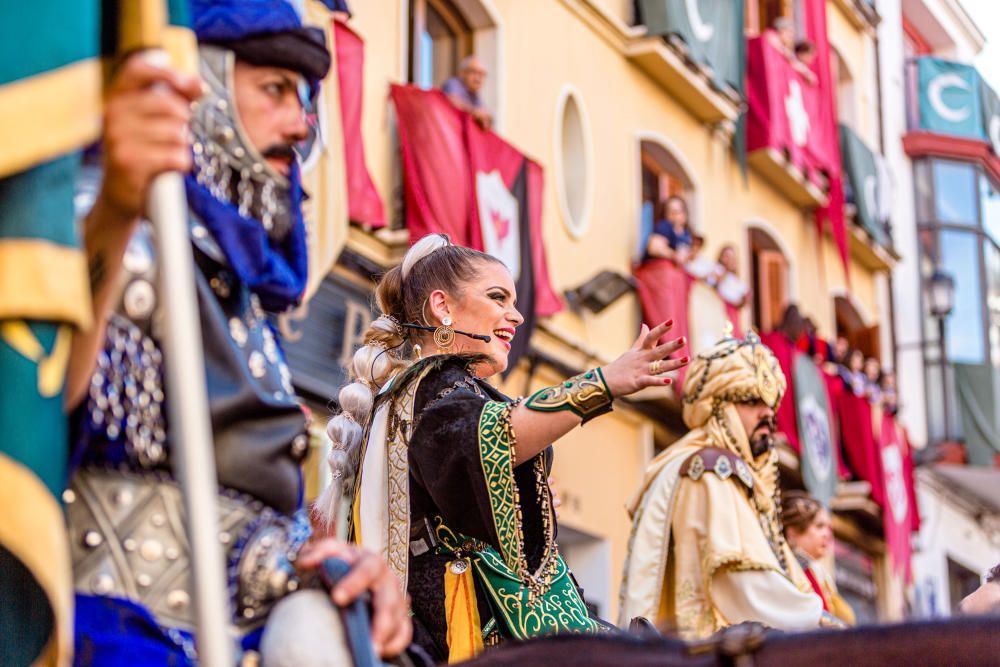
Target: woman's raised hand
{"x":645,"y":364}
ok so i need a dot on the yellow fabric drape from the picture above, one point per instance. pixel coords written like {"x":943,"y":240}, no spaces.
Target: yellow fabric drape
{"x":465,"y":635}
{"x":35,"y":534}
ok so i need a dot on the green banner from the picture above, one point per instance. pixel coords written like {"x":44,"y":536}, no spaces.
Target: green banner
{"x":862,"y":174}
{"x":818,"y":458}
{"x":37,"y":37}
{"x":51,"y":84}
{"x":990,"y":103}
{"x":949,"y":98}
{"x":712,"y":30}
{"x":978,"y":391}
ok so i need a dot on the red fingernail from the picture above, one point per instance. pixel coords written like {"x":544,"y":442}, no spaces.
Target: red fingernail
{"x":669,"y":323}
{"x":686,"y":360}
{"x":683,"y":340}
{"x":668,"y":381}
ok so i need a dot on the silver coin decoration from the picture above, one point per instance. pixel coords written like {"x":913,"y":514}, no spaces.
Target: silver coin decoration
{"x":126,"y":393}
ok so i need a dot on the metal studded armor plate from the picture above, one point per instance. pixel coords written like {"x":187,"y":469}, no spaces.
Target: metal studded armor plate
{"x":127,"y":540}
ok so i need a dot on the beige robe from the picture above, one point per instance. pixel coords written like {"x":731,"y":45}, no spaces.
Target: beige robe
{"x":699,"y":560}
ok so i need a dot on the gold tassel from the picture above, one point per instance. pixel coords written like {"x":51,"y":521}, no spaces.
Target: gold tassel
{"x":465,"y":633}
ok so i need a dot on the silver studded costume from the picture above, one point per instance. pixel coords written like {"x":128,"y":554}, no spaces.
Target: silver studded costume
{"x":124,"y":510}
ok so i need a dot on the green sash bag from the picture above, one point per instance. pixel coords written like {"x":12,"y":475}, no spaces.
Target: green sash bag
{"x":520,"y":614}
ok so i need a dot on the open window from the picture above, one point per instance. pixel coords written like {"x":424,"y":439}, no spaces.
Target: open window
{"x":851,"y":325}
{"x":662,"y":177}
{"x":760,"y":14}
{"x":442,"y":33}
{"x":439,"y":38}
{"x":846,"y":112}
{"x":769,"y":269}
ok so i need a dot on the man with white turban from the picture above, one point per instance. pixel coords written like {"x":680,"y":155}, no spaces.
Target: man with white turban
{"x":706,"y":549}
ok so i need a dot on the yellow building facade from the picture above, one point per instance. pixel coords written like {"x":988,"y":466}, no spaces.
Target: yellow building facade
{"x":577,"y":86}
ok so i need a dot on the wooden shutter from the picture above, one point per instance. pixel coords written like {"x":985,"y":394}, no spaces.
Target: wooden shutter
{"x":773,"y":280}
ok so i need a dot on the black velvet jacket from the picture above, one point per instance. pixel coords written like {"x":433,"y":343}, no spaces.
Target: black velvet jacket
{"x":447,"y":481}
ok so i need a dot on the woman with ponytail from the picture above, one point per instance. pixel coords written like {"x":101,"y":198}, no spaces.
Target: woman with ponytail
{"x":446,"y":476}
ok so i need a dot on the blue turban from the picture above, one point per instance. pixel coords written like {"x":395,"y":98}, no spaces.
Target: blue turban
{"x":264,"y":33}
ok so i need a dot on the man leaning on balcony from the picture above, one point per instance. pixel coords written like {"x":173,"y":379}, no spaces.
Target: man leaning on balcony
{"x":463,"y":90}
{"x":707,"y":549}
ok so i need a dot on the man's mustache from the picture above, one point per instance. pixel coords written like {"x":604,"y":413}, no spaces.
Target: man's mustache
{"x":768,"y":423}
{"x":280,"y":151}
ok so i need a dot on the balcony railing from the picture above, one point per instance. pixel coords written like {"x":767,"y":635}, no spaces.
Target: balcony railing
{"x":697,"y":58}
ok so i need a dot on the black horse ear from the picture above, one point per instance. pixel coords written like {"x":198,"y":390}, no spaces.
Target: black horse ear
{"x":642,"y":627}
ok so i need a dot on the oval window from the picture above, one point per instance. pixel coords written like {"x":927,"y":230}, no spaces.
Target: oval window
{"x":573,"y":164}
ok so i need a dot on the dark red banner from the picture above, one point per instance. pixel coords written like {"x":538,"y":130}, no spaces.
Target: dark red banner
{"x":900,"y":515}
{"x":472,"y":185}
{"x":786,"y":419}
{"x":828,"y":146}
{"x":364,"y":205}
{"x":860,"y":442}
{"x":664,"y":289}
{"x":798,"y":117}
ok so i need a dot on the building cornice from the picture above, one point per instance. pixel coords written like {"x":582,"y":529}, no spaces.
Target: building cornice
{"x":976,"y":37}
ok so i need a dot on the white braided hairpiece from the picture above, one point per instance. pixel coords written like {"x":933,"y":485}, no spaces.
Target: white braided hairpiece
{"x":421,"y":249}
{"x":371,"y":367}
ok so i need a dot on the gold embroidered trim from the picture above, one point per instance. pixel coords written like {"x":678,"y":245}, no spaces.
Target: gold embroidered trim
{"x":586,"y":395}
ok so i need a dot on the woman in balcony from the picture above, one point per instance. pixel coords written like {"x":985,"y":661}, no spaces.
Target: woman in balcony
{"x":809,"y":533}
{"x":451,"y":475}
{"x":853,"y":373}
{"x":662,"y":280}
{"x":671,"y":238}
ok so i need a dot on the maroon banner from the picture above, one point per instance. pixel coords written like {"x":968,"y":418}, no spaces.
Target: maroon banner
{"x":435,"y":166}
{"x":797,"y":117}
{"x":664,"y":289}
{"x":786,"y":420}
{"x":783,"y":109}
{"x":834,"y":388}
{"x":900,"y":516}
{"x":860,"y":442}
{"x":829,"y":141}
{"x":364,"y":205}
{"x":469,"y":183}
{"x":489,"y":229}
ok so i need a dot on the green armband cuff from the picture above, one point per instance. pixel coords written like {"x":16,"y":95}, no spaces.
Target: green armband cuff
{"x":586,"y":395}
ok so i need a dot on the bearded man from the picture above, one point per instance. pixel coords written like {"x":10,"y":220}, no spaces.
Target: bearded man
{"x":131,"y":561}
{"x":706,"y":549}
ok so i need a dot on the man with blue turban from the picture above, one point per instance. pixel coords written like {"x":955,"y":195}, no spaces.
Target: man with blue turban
{"x":131,"y":559}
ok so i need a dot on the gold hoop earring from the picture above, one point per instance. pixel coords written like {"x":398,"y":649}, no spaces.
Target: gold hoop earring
{"x":444,"y":336}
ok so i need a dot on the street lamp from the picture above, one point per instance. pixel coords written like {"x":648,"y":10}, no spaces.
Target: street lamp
{"x":941,"y":298}
{"x":941,"y":294}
